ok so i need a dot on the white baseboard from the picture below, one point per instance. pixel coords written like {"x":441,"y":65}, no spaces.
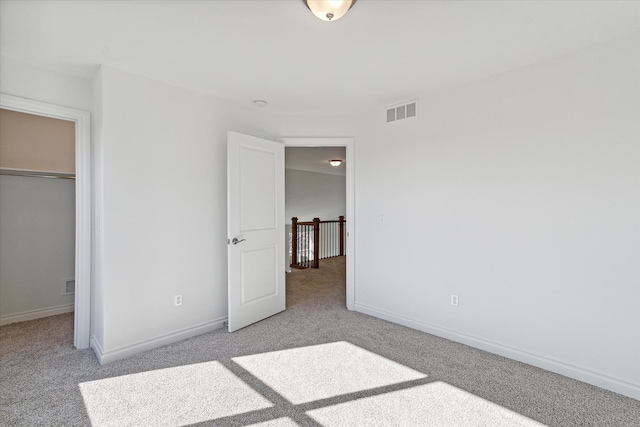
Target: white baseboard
{"x":150,"y":344}
{"x":36,"y":314}
{"x":594,"y":378}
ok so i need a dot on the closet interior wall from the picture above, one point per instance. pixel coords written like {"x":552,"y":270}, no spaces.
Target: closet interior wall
{"x":37,"y":216}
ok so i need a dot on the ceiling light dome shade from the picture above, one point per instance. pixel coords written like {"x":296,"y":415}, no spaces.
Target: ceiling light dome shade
{"x":329,"y":10}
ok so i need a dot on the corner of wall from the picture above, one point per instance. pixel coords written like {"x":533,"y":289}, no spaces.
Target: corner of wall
{"x":150,"y":344}
{"x":97,"y":291}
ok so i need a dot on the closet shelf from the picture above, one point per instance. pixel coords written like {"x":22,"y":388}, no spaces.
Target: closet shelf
{"x":36,"y":174}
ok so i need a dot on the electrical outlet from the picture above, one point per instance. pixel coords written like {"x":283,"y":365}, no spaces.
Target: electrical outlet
{"x":454,"y":300}
{"x":177,"y":300}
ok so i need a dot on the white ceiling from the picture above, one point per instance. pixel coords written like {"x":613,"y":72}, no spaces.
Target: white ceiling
{"x":315,"y":159}
{"x":380,"y":53}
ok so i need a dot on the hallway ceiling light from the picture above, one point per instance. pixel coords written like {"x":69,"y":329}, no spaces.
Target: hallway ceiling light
{"x":329,"y":10}
{"x":335,"y":163}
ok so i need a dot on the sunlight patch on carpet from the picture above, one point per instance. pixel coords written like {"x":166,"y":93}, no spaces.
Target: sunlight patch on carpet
{"x":433,"y":404}
{"x":323,"y":371}
{"x":278,"y":422}
{"x":170,"y":397}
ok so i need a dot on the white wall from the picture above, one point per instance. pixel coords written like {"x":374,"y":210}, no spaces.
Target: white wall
{"x":162,"y":191}
{"x":40,"y":84}
{"x":311,"y":195}
{"x":519,"y":194}
{"x":161,"y":209}
{"x":37,"y":225}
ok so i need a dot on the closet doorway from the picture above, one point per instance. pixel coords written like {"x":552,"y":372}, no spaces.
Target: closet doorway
{"x":51,"y":210}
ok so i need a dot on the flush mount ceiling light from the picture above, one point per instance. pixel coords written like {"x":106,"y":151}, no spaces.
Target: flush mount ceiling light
{"x":260,"y":103}
{"x":335,"y":163}
{"x":329,"y":10}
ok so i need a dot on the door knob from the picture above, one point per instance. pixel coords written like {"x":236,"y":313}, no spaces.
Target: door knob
{"x":235,"y":240}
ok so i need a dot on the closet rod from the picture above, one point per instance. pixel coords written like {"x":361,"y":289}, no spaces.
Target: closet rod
{"x":36,"y":174}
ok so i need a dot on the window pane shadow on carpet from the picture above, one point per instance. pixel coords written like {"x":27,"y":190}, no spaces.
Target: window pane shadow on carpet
{"x":332,"y":384}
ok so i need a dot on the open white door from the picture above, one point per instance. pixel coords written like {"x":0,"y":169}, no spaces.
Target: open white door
{"x":255,"y":221}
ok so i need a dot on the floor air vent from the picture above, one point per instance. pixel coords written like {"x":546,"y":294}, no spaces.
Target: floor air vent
{"x":402,"y":111}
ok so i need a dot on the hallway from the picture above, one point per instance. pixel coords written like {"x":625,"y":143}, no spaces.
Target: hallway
{"x":318,"y":286}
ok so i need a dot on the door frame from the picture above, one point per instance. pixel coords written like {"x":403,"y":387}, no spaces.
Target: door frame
{"x":83,"y":229}
{"x":350,"y":160}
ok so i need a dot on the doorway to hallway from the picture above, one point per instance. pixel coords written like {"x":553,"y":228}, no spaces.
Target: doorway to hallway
{"x":346,"y":153}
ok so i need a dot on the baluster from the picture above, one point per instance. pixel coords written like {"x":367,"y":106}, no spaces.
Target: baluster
{"x":335,"y":238}
{"x":294,"y":241}
{"x":308,"y":247}
{"x":331,"y":239}
{"x":323,"y":227}
{"x":316,"y":241}
{"x":321,"y":242}
{"x":341,"y":235}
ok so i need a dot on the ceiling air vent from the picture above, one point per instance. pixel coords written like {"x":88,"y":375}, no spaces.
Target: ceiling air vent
{"x":402,"y":111}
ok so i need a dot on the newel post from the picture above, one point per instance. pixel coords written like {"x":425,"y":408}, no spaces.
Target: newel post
{"x":341,"y":218}
{"x":294,"y":241}
{"x":316,"y":242}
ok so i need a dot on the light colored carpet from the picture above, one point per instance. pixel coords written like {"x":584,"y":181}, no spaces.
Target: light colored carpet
{"x":315,"y":364}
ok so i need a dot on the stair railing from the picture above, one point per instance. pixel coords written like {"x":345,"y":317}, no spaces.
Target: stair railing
{"x":314,"y":240}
